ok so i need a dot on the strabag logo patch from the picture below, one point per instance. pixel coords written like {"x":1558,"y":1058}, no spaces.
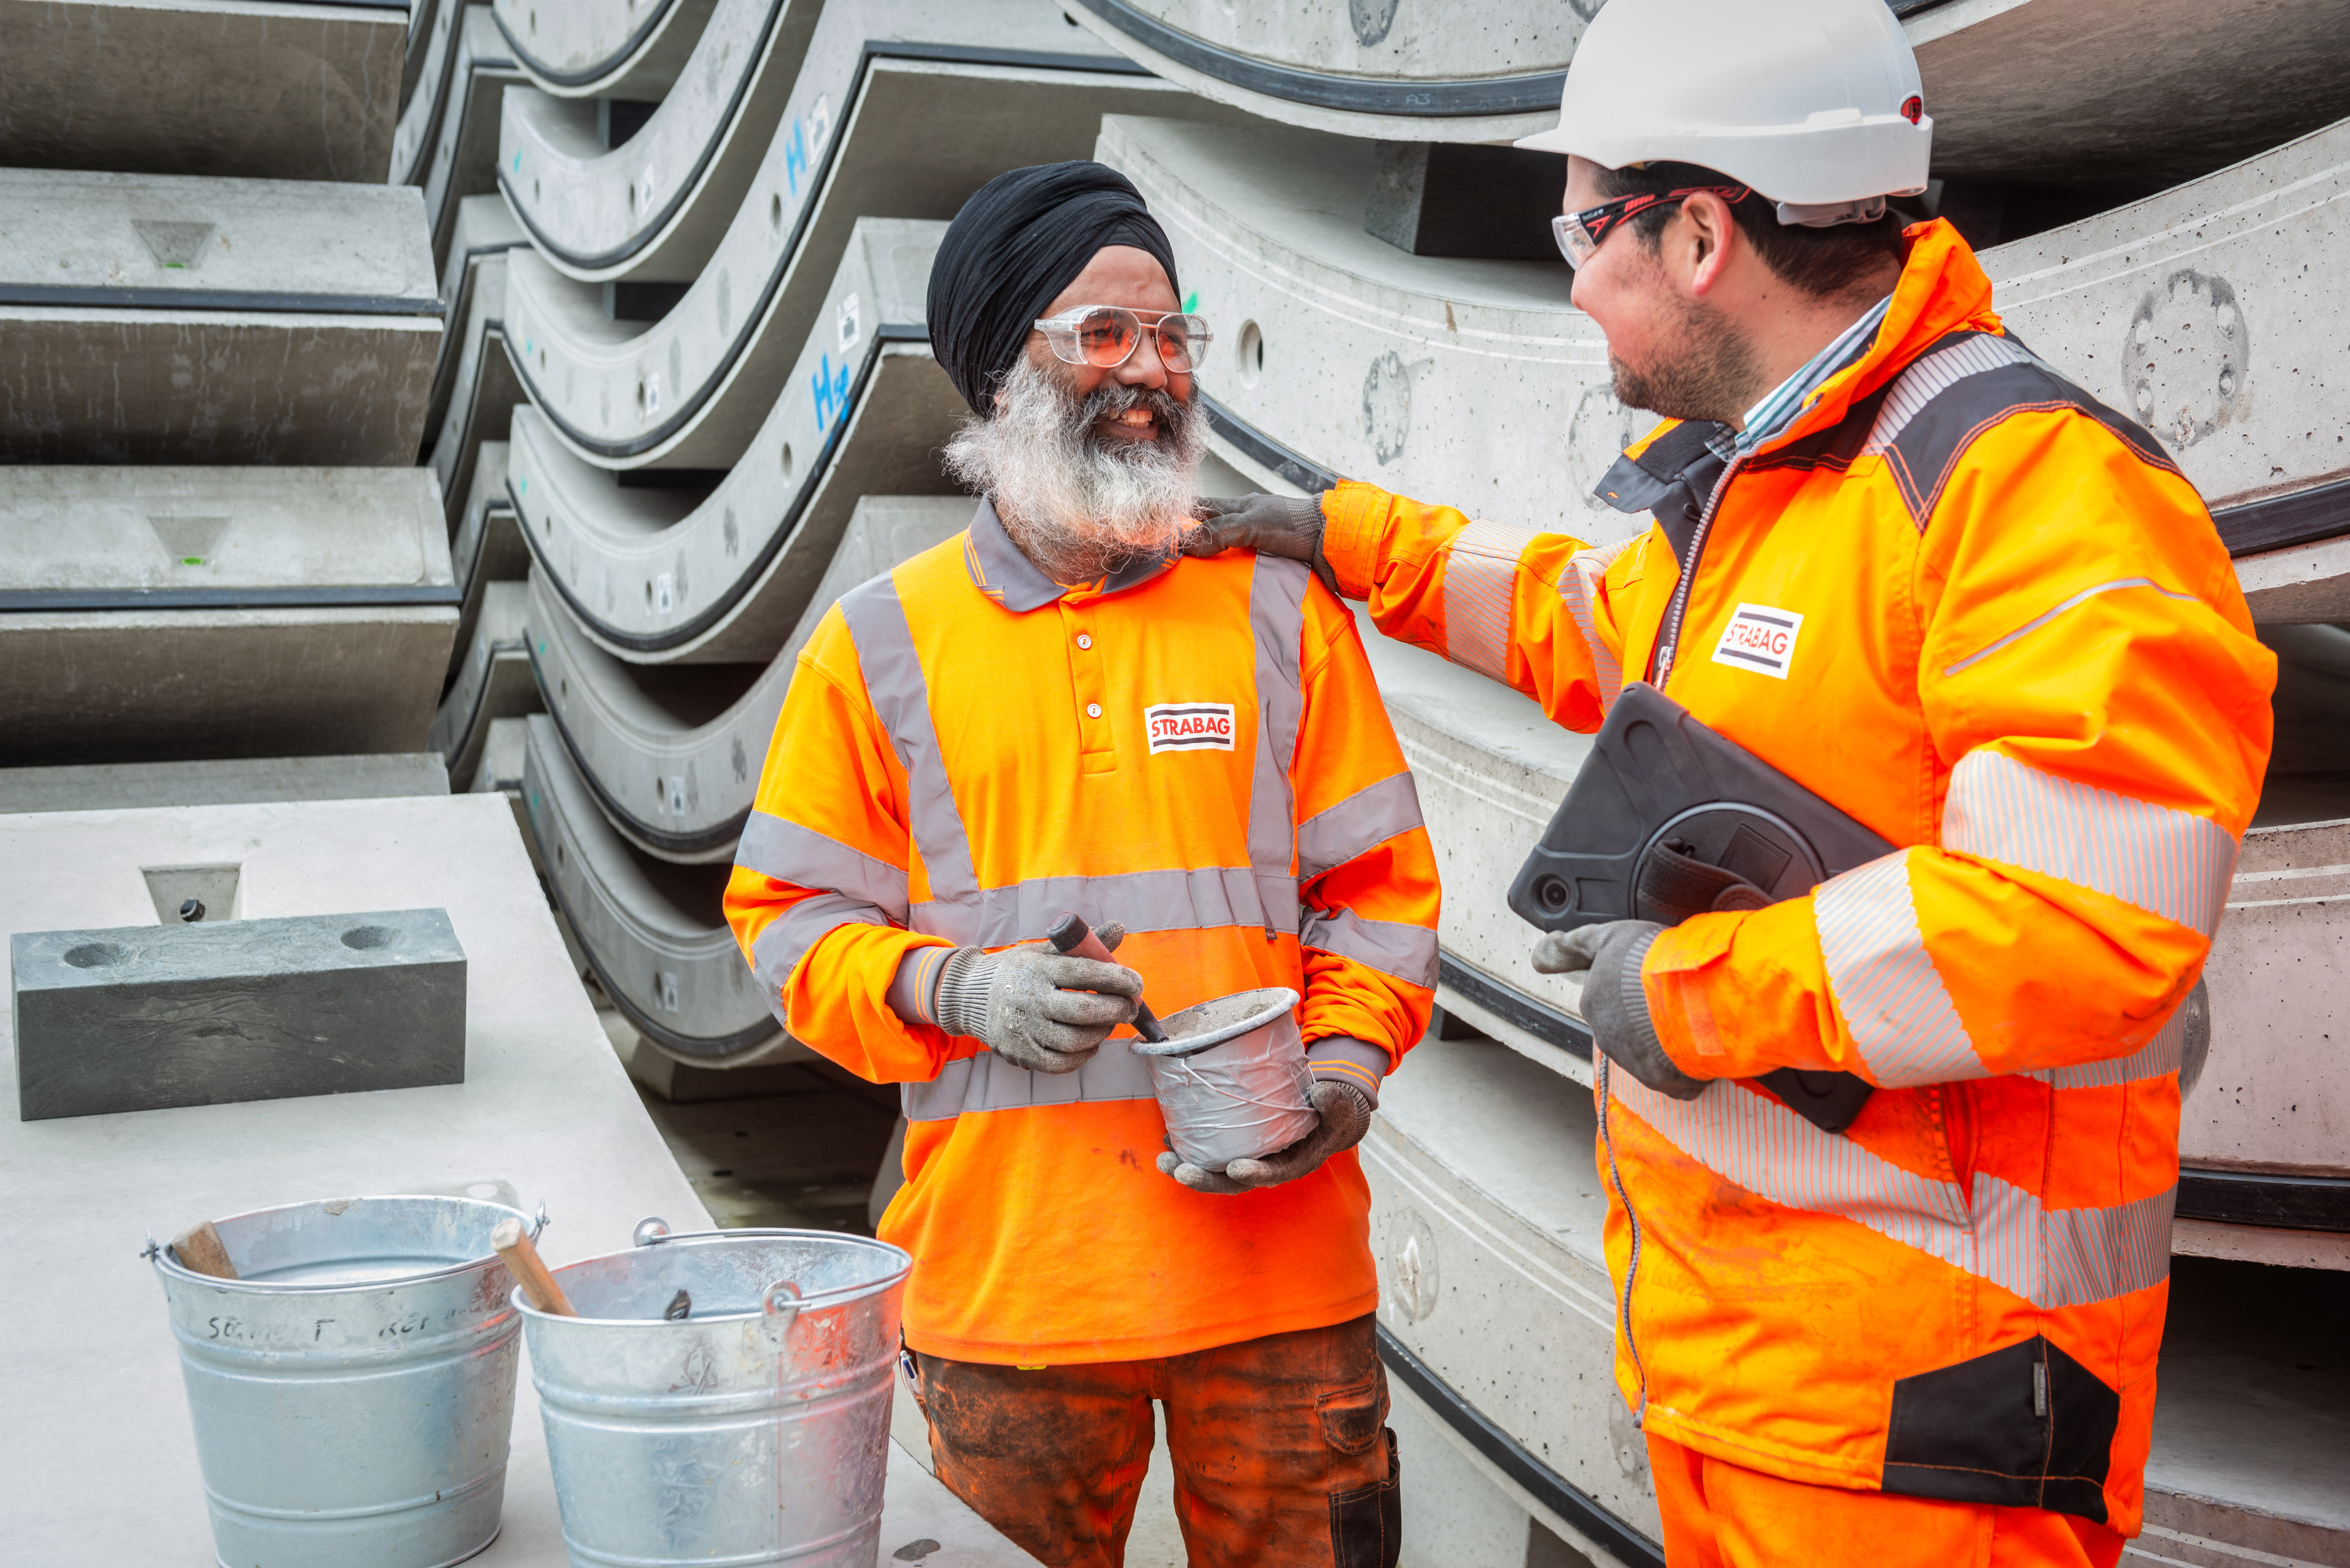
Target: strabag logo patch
{"x":1188,"y":726}
{"x":1760,"y":638}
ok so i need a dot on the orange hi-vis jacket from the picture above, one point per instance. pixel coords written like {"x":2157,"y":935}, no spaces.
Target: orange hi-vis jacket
{"x":1987,"y":617}
{"x":1196,"y":749}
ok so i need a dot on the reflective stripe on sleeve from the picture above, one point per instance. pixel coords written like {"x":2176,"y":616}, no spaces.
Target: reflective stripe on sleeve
{"x":1356,"y":825}
{"x":1480,"y":576}
{"x":783,"y":849}
{"x":1579,"y":589}
{"x":1406,"y":953}
{"x":1277,"y":617}
{"x":901,"y":700}
{"x":1885,"y":983}
{"x":789,"y":935}
{"x":2157,"y":1058}
{"x":988,"y":1083}
{"x":2044,"y":617}
{"x":2051,"y":1257}
{"x":2168,"y":863}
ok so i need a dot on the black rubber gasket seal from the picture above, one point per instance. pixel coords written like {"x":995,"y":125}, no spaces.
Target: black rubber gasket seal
{"x":1539,"y":1019}
{"x":252,"y":302}
{"x":2280,"y":522}
{"x":29,"y":601}
{"x":1514,"y":1459}
{"x":2263,"y":1198}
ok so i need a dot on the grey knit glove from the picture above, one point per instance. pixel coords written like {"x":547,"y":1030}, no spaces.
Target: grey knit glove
{"x":1608,"y":956}
{"x":1033,"y":1007}
{"x":1287,"y":526}
{"x":1346,"y":1112}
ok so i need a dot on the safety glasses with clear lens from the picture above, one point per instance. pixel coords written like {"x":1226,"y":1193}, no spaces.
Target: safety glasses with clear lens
{"x":1579,"y":233}
{"x":1106,"y":336}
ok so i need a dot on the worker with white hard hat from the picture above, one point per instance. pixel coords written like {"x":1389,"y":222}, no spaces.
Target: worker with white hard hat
{"x":1890,"y":1135}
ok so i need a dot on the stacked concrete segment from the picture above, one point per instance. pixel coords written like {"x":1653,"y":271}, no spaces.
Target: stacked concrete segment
{"x":462,"y":158}
{"x":625,"y":49}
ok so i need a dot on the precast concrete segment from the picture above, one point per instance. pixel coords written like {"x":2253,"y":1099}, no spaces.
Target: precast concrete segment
{"x":483,"y":387}
{"x":655,"y":206}
{"x":111,"y":787}
{"x":653,"y":932}
{"x":280,"y":92}
{"x":492,"y":680}
{"x":1470,"y":381}
{"x":486,"y":227}
{"x":2299,"y":584}
{"x":687,"y":391}
{"x":155,"y":319}
{"x":423,"y":98}
{"x":422,"y":17}
{"x":464,"y":151}
{"x":489,"y":545}
{"x":149,"y":1017}
{"x":673,"y":765}
{"x":98,"y":1432}
{"x":2206,"y":313}
{"x":633,"y":49}
{"x":660,"y":576}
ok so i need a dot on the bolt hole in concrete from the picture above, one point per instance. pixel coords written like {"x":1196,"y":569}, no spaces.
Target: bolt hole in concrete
{"x":775,"y":211}
{"x":788,"y":462}
{"x":96,"y":955}
{"x":915,"y":1550}
{"x":364,"y":938}
{"x":1252,"y":354}
{"x":190,"y":910}
{"x":182,"y":895}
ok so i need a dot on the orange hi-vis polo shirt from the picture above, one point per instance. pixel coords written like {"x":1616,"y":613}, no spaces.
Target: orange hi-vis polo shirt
{"x":1986,"y":616}
{"x":1193,"y":748}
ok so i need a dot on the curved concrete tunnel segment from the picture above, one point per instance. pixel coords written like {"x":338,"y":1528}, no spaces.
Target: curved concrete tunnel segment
{"x":655,"y":206}
{"x":604,"y":48}
{"x":420,"y":113}
{"x":680,"y":785}
{"x":482,"y":388}
{"x":485,"y":228}
{"x":654,"y":933}
{"x":464,"y":151}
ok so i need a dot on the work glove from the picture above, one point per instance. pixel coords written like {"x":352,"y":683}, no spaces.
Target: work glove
{"x":1287,"y":526}
{"x":1037,"y":1008}
{"x":1609,"y":957}
{"x":1346,"y":1112}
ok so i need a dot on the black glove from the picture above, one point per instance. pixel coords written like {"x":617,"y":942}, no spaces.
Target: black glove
{"x":1035,"y":1008}
{"x":1346,"y":1114}
{"x":1287,"y":526}
{"x":1609,"y":957}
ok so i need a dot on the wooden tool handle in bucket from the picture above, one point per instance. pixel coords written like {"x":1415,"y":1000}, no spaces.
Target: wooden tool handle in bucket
{"x":529,"y":1270}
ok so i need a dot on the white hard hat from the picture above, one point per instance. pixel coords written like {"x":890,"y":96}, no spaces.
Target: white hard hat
{"x":1813,"y":103}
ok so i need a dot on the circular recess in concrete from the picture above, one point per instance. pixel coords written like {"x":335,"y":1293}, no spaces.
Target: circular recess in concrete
{"x":96,"y":955}
{"x":1252,"y":354}
{"x":367,"y":937}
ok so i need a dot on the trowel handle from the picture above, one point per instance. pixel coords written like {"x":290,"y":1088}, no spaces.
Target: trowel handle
{"x":1071,"y":935}
{"x":529,"y":1270}
{"x":200,"y":1252}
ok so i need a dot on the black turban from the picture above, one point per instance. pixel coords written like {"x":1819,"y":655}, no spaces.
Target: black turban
{"x":1014,"y":246}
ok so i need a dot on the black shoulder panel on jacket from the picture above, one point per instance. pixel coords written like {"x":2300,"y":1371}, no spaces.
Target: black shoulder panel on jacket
{"x":2026,"y":1426}
{"x":1925,"y":419}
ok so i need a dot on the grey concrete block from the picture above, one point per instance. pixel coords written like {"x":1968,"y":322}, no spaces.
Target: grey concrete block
{"x":147,"y":1017}
{"x":109,"y":787}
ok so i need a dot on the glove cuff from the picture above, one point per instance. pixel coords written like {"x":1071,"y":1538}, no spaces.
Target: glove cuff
{"x":1633,"y":996}
{"x":1355,"y":1063}
{"x":959,"y":1006}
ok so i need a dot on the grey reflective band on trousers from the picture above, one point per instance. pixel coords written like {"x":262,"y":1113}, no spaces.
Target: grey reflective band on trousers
{"x":1262,"y":894}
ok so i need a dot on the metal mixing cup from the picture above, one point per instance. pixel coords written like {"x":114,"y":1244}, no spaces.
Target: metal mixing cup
{"x":353,"y":1391}
{"x":753,"y":1428}
{"x":1232,"y":1078}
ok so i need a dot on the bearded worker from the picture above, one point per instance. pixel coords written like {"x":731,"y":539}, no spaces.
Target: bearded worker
{"x":1927,"y":579}
{"x":1056,"y":712}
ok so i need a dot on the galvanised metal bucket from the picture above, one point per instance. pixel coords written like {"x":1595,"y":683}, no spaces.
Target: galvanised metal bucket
{"x":1231,"y":1077}
{"x":754,"y":1429}
{"x":353,"y":1391}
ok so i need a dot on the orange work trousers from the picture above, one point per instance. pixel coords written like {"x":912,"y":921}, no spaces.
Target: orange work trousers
{"x":1720,"y":1515}
{"x":1280,"y":1446}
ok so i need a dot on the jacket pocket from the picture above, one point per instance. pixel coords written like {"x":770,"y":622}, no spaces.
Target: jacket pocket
{"x":1367,"y":1524}
{"x":1353,"y":1417}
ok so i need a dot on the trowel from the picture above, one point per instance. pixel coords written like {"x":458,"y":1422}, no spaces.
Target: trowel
{"x":1071,"y":935}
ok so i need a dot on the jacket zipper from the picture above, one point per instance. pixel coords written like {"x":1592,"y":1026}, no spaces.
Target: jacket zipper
{"x":1661,"y":663}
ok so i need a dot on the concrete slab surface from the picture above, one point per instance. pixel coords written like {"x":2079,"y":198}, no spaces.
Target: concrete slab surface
{"x":690,"y":389}
{"x":654,"y":933}
{"x":492,"y":680}
{"x":114,"y":785}
{"x":464,"y":150}
{"x":675,"y":752}
{"x":659,"y":576}
{"x":425,"y":89}
{"x":605,"y":49}
{"x":486,"y":227}
{"x":483,"y":387}
{"x":656,"y":206}
{"x":276,"y":90}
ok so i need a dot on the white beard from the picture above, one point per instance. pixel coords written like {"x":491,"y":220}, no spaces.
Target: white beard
{"x":1078,"y":507}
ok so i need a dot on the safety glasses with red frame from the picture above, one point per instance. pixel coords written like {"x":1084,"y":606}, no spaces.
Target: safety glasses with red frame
{"x":1579,"y":233}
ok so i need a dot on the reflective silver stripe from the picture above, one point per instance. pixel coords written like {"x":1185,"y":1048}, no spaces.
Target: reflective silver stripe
{"x":1277,"y":617}
{"x":988,"y":1083}
{"x":1578,"y":588}
{"x":789,"y":935}
{"x":1356,"y":825}
{"x":1935,"y":373}
{"x":2158,"y":1057}
{"x":1885,"y":983}
{"x":901,"y":700}
{"x":2051,"y":1257}
{"x":1143,"y":900}
{"x":1481,"y":579}
{"x":1393,"y":948}
{"x":2168,"y":863}
{"x":2084,"y":596}
{"x":775,"y":846}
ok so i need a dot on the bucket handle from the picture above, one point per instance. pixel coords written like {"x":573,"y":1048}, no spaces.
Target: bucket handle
{"x":781,"y":1306}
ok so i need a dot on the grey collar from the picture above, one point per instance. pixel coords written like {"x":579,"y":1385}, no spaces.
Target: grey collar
{"x":1000,"y":571}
